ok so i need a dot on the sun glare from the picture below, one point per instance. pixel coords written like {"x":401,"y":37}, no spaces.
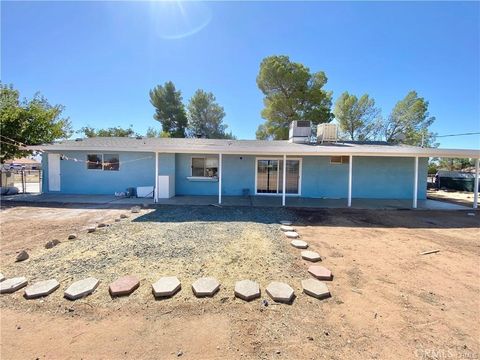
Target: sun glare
{"x":178,"y":19}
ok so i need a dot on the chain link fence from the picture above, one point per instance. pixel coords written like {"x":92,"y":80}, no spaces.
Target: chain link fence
{"x":26,"y":181}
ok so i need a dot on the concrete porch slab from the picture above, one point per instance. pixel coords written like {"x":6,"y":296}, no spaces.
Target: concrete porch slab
{"x":256,"y":201}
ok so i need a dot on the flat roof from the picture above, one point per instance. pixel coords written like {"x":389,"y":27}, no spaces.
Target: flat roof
{"x":249,"y":147}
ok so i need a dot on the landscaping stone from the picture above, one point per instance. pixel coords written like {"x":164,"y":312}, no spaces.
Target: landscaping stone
{"x":247,"y":290}
{"x":91,"y":229}
{"x":72,"y":236}
{"x":320,"y":272}
{"x":52,"y":243}
{"x":287,"y":228}
{"x":123,"y":216}
{"x":315,"y":288}
{"x":285,"y":222}
{"x":12,"y":285}
{"x":124,"y":285}
{"x":81,"y":288}
{"x":311,"y":256}
{"x":166,"y":286}
{"x":206,"y":286}
{"x":22,"y":256}
{"x":2,"y":277}
{"x":291,"y":234}
{"x":299,"y":244}
{"x":41,"y":288}
{"x":135,"y":209}
{"x":280,"y":292}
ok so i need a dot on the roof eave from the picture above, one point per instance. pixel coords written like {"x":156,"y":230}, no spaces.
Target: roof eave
{"x":323,"y":151}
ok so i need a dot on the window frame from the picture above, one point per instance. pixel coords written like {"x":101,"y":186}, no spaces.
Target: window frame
{"x":111,"y":155}
{"x":204,"y":167}
{"x":344,"y":159}
{"x":102,"y":156}
{"x":300,"y":175}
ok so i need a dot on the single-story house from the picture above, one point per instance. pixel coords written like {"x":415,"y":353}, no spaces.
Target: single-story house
{"x":302,"y":167}
{"x":22,"y":164}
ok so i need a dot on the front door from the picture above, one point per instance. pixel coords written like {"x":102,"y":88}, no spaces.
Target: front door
{"x":270,"y":176}
{"x":53,"y":172}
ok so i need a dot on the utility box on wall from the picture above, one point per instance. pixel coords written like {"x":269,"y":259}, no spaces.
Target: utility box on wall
{"x":166,"y":187}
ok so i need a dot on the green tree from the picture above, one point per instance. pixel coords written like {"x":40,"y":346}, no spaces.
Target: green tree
{"x":409,"y":122}
{"x":205,"y":117}
{"x":169,"y":109}
{"x":358,"y":118}
{"x":30,"y":122}
{"x":291,"y":92}
{"x":455,"y":163}
{"x":152,"y":133}
{"x":116,"y":131}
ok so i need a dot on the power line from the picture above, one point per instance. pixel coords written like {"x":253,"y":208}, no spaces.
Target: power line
{"x":464,"y":134}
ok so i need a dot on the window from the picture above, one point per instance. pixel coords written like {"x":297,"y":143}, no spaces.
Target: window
{"x":107,"y":162}
{"x":204,"y":167}
{"x":339,"y":160}
{"x":94,"y":162}
{"x":111,"y":162}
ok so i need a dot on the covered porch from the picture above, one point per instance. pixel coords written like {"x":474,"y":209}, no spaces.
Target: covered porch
{"x":268,"y":182}
{"x":255,"y":201}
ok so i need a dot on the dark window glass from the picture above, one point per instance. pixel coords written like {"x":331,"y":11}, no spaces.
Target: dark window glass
{"x":198,"y":167}
{"x":94,"y":162}
{"x":111,"y":162}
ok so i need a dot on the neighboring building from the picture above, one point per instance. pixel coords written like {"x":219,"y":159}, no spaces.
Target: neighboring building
{"x":22,"y":164}
{"x":455,"y":180}
{"x":322,"y":169}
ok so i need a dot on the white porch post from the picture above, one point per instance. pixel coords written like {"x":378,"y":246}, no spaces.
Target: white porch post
{"x":415,"y":184}
{"x":475,"y":190}
{"x":350,"y":168}
{"x":284,"y":181}
{"x":219,"y":178}
{"x":155,"y":192}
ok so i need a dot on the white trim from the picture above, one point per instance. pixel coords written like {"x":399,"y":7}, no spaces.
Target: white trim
{"x":300,"y":160}
{"x":350,"y":175}
{"x":202,"y":178}
{"x":380,"y":151}
{"x":415,"y":184}
{"x":475,"y":190}
{"x":284,"y":178}
{"x":156,"y":177}
{"x":219,"y":178}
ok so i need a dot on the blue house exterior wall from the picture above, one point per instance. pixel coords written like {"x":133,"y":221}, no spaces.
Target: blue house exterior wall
{"x":166,"y":164}
{"x":388,"y":178}
{"x":373,"y":177}
{"x":137,"y":169}
{"x":183,"y":186}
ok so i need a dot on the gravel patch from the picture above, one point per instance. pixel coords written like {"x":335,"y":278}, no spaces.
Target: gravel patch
{"x":229,"y":244}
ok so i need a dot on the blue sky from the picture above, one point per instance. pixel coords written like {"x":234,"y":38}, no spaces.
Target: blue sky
{"x":100,"y":59}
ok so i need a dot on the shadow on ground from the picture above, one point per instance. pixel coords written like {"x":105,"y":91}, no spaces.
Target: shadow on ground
{"x":411,"y":219}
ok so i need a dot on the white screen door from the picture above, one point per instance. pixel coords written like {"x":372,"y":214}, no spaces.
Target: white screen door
{"x":53,"y":172}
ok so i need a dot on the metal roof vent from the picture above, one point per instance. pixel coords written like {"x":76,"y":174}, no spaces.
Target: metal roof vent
{"x":327,"y":133}
{"x":300,"y":132}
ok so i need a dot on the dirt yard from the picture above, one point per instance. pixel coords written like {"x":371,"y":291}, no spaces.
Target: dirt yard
{"x":388,"y":302}
{"x":455,"y":197}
